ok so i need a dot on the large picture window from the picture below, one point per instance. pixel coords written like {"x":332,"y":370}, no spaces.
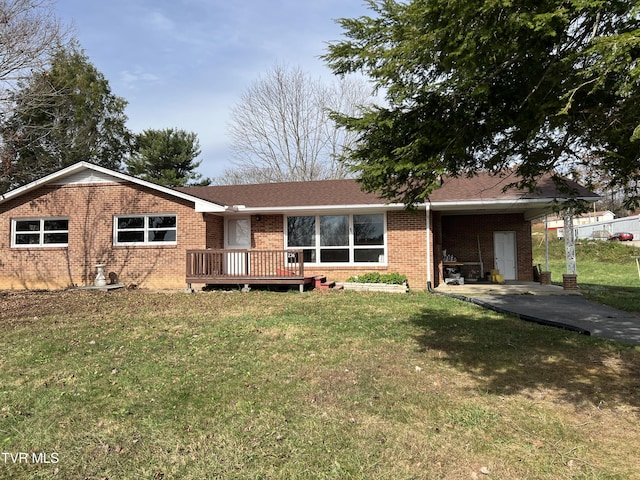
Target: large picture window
{"x":358,"y":238}
{"x":40,"y":232}
{"x":145,"y":229}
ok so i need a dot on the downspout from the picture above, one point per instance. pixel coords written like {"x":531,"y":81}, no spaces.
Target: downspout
{"x":427,"y":207}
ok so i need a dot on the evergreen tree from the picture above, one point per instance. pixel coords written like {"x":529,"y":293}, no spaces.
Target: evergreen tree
{"x":539,"y":85}
{"x":166,"y":157}
{"x":61,"y":116}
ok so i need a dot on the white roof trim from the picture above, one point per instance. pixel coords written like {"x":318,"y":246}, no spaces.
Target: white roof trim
{"x":498,"y":203}
{"x":527,"y":203}
{"x":200,"y":204}
{"x":314,"y":208}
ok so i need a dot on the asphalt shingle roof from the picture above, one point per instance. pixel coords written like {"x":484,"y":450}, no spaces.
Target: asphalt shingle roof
{"x":348,"y":192}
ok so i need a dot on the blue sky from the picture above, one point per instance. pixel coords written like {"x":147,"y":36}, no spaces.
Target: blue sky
{"x":185,"y":63}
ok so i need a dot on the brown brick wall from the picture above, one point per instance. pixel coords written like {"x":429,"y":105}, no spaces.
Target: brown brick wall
{"x":407,"y":244}
{"x":267,"y":232}
{"x":215,"y":231}
{"x":90,"y":209}
{"x":406,"y":241}
{"x":460,"y":235}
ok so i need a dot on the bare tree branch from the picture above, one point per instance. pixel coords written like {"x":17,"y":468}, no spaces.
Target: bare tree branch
{"x":29,"y":33}
{"x":281,"y":129}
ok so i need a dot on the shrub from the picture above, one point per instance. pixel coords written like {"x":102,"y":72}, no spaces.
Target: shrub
{"x":376,"y":277}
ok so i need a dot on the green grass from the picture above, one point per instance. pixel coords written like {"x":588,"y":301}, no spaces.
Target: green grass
{"x":345,"y":385}
{"x":606,"y":272}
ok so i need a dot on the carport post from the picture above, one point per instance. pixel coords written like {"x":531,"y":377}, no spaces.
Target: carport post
{"x":546,"y":244}
{"x":570,"y":279}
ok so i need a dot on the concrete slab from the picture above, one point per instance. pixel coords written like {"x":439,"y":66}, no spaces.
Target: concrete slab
{"x":508,"y":288}
{"x":554,"y":306}
{"x":574,"y":310}
{"x":103,"y":288}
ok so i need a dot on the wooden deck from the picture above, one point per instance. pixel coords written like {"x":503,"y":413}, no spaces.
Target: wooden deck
{"x":246,"y":267}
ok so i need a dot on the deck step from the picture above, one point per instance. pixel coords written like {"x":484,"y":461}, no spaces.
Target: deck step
{"x":320,"y":282}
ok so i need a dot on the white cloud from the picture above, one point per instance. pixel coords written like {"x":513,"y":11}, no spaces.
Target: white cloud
{"x":132,"y":80}
{"x":159,"y":21}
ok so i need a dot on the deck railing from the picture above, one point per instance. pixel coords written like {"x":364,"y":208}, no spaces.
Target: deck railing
{"x":216,"y":266}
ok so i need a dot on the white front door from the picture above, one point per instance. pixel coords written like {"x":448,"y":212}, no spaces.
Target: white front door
{"x":237,"y":236}
{"x":505,"y":254}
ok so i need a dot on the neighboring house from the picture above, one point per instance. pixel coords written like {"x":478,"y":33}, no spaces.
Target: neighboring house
{"x":603,"y":229}
{"x":55,"y":230}
{"x":555,"y":222}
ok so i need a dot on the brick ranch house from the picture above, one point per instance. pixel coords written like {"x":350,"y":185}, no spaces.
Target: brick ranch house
{"x":54,"y":231}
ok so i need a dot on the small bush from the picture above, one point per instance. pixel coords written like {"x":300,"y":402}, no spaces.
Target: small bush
{"x":376,"y":277}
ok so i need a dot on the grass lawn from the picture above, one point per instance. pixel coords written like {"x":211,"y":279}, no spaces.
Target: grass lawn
{"x":338,"y":385}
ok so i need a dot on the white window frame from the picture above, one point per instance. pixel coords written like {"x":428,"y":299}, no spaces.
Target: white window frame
{"x":41,"y":232}
{"x":351,"y":247}
{"x":145,"y":229}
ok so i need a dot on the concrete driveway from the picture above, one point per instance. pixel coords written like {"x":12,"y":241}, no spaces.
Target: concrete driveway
{"x":551,"y":305}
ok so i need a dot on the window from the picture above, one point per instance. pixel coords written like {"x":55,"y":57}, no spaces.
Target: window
{"x":334,"y":237}
{"x":145,"y":229}
{"x":338,"y":239}
{"x":301,"y":233}
{"x":40,"y":232}
{"x":368,"y":238}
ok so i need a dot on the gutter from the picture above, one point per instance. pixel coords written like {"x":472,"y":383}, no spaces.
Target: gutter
{"x":428,"y":240}
{"x":521,"y":316}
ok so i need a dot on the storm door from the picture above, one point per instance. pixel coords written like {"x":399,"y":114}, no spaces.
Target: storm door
{"x":237,"y":237}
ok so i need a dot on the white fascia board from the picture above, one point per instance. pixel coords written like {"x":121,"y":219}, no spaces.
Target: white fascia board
{"x":41,"y":181}
{"x":500,"y":204}
{"x":200,"y":205}
{"x":481,"y":205}
{"x":313,"y":208}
